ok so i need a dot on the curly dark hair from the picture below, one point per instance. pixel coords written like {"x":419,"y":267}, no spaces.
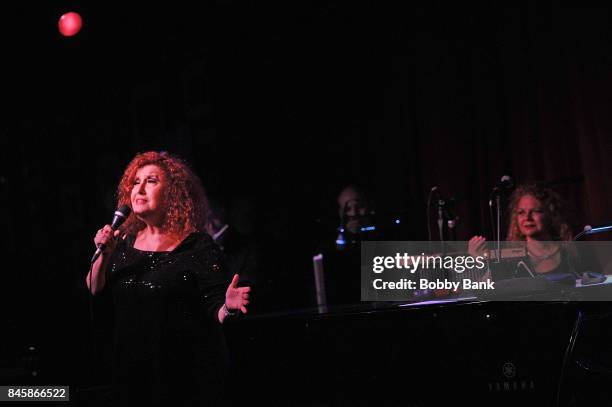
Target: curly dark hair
{"x":187,"y":205}
{"x":554,"y":210}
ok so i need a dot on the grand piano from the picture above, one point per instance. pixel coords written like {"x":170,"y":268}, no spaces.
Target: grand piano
{"x":458,"y":350}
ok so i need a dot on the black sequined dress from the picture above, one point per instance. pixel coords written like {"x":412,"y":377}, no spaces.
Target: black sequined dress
{"x":169,"y":348}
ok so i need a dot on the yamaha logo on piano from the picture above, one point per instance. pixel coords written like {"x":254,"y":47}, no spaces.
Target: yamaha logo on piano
{"x":509,"y":372}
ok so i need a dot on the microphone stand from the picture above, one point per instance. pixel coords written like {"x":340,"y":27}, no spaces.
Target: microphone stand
{"x":496,"y":224}
{"x":451,"y":223}
{"x":428,"y":217}
{"x":504,"y":184}
{"x":441,"y":223}
{"x":498,"y":247}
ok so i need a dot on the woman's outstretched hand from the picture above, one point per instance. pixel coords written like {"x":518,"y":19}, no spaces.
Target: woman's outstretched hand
{"x":237,"y":298}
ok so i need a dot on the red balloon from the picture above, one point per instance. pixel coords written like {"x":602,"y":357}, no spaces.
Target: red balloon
{"x":70,"y":24}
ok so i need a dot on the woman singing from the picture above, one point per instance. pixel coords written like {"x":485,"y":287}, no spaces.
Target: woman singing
{"x":170,"y":291}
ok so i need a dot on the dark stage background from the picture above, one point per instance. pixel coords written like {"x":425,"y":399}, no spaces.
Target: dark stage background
{"x":276,"y":105}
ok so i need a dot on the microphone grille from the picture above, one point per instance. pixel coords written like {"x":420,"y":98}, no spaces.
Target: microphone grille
{"x":124,"y":211}
{"x":121,"y":215}
{"x":506,"y":181}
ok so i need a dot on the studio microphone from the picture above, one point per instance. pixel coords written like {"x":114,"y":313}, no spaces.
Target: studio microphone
{"x":585,"y":231}
{"x":505,"y":183}
{"x":592,"y":230}
{"x":119,"y":217}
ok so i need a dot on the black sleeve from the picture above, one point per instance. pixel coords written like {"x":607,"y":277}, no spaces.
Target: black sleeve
{"x":211,"y":275}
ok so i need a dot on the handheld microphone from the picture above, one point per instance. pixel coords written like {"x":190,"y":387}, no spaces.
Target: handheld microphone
{"x":119,"y":217}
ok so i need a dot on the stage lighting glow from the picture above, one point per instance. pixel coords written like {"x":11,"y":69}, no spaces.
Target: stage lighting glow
{"x":70,"y":24}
